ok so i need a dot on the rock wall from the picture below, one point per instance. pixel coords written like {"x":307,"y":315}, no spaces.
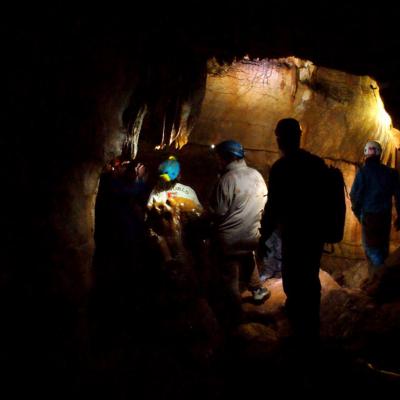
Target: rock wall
{"x":339,"y":112}
{"x":69,"y":106}
{"x":93,"y":93}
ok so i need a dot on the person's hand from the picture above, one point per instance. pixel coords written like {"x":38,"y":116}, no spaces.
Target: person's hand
{"x":141,"y":172}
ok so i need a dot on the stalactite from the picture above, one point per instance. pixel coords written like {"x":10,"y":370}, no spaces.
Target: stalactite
{"x":130,"y":146}
{"x":184,"y":130}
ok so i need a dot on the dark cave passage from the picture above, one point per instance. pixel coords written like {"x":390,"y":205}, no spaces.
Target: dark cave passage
{"x":185,"y":336}
{"x":87,"y":309}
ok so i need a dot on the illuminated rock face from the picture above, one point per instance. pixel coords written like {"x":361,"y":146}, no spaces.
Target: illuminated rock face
{"x":338,"y":112}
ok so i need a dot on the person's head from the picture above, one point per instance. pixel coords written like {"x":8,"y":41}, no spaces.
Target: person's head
{"x":228,"y":151}
{"x":168,"y":171}
{"x":288,"y":134}
{"x":372,"y":150}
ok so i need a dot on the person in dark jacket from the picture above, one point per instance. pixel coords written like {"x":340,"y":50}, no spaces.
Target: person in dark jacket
{"x":371,"y":196}
{"x":294,"y":208}
{"x":120,"y":255}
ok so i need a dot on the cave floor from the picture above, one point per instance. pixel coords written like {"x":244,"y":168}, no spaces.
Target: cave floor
{"x":138,"y":347}
{"x":168,"y":359}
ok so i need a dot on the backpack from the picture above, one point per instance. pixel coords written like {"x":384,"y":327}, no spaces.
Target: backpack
{"x":334,"y":205}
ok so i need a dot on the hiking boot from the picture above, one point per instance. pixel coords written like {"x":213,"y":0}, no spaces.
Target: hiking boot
{"x":261,"y":294}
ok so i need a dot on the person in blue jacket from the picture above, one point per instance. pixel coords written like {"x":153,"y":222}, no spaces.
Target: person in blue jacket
{"x":371,"y":196}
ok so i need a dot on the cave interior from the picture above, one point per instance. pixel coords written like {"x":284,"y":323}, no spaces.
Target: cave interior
{"x":84,"y":88}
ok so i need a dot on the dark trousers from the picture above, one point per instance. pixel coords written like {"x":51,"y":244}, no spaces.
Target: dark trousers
{"x":235,"y":269}
{"x":375,"y":237}
{"x":300,"y":277}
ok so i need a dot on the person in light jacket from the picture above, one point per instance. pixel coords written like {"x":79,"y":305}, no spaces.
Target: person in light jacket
{"x":236,"y":206}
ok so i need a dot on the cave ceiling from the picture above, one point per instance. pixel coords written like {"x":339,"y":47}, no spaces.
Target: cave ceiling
{"x":172,"y":44}
{"x":357,"y":39}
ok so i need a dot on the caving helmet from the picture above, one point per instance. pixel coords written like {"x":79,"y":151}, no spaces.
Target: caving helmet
{"x":169,"y":169}
{"x":230,"y":147}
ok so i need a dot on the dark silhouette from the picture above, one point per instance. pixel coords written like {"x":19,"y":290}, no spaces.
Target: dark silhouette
{"x":119,"y":258}
{"x":294,"y":208}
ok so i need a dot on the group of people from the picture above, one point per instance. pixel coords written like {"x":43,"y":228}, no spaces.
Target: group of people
{"x":245,"y":213}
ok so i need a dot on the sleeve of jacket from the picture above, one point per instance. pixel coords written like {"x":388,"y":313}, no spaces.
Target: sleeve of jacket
{"x":268,"y":221}
{"x":221,"y":199}
{"x":396,"y":191}
{"x":356,"y":194}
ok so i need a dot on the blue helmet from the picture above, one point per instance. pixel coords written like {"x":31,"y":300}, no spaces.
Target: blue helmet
{"x":231,"y":147}
{"x":169,"y":169}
